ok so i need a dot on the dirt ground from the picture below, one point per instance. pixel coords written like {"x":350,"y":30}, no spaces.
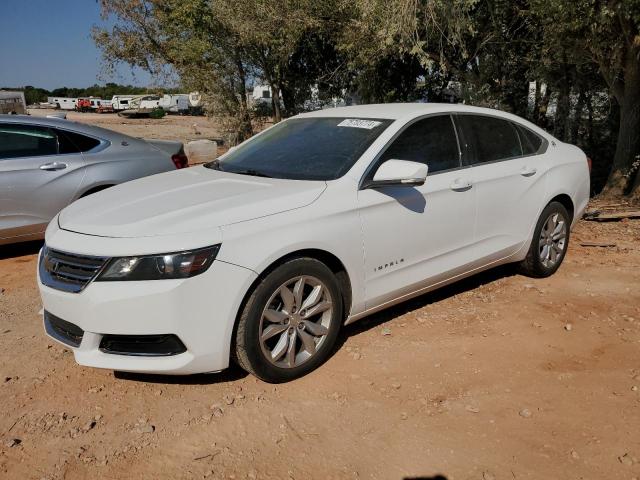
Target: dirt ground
{"x":499,"y":377}
{"x":171,"y":127}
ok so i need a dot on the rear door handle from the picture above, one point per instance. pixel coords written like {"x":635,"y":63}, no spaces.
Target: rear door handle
{"x":528,"y":172}
{"x":53,"y":166}
{"x":460,"y":185}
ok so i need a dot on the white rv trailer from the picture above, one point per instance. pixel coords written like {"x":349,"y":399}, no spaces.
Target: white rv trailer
{"x":195,"y":99}
{"x":261,"y":94}
{"x":96,"y":102}
{"x":145,"y":102}
{"x":63,"y":103}
{"x":121,"y":102}
{"x":177,"y":103}
{"x":12,"y":102}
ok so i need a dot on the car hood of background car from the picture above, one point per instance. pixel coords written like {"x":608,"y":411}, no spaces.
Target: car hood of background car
{"x":184,"y":201}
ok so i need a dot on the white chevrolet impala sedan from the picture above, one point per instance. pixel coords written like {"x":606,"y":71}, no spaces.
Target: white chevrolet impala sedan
{"x":261,"y":256}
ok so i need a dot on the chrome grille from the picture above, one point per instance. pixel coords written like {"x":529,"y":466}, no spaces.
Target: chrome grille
{"x":69,"y":272}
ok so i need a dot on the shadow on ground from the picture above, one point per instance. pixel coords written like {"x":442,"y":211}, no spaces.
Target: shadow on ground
{"x":437,"y":477}
{"x":20,"y":249}
{"x":417,"y":303}
{"x":229,"y":375}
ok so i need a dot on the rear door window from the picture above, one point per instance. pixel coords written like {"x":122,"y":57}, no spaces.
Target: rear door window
{"x":26,"y":141}
{"x":431,"y":141}
{"x":490,"y":139}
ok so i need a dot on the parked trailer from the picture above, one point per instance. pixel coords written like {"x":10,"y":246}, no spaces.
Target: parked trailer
{"x":12,"y":102}
{"x":177,"y":103}
{"x":121,"y":102}
{"x":148,"y":101}
{"x":195,"y":99}
{"x":91,"y":104}
{"x":261,"y":94}
{"x":63,"y":103}
{"x":105,"y":107}
{"x":141,"y":106}
{"x":196,"y":104}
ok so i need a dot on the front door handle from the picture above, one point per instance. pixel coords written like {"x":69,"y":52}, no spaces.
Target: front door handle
{"x":53,"y":166}
{"x":460,"y":185}
{"x":528,"y":172}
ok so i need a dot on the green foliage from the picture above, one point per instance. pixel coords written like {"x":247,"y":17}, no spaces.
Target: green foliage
{"x":157,"y":113}
{"x":583,"y":56}
{"x":34,"y":95}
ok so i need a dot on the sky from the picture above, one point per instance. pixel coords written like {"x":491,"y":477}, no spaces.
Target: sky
{"x":47,"y":44}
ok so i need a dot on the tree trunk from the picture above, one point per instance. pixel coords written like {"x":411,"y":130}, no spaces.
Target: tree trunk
{"x":541,"y":119}
{"x":275,"y":101}
{"x":563,"y":109}
{"x":577,"y":118}
{"x":245,"y":129}
{"x":590,"y":121}
{"x":288,"y":100}
{"x":536,"y":103}
{"x":624,"y":178}
{"x":562,"y":113}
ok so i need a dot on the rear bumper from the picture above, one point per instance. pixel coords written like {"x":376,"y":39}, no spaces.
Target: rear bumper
{"x":199,"y":312}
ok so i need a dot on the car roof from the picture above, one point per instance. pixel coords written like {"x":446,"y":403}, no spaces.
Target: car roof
{"x":407,"y":111}
{"x":394,"y":111}
{"x":63,"y":124}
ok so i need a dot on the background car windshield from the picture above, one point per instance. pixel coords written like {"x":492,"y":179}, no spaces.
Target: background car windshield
{"x":305,"y":148}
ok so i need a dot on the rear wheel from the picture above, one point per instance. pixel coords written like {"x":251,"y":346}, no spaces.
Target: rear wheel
{"x":549,"y":243}
{"x":290,"y":322}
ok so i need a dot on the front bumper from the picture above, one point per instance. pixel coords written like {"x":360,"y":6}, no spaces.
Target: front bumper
{"x":199,"y":311}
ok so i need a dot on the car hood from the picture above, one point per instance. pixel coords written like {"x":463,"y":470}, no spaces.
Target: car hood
{"x":188,"y":200}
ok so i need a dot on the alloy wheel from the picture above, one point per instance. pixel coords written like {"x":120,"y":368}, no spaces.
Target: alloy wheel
{"x":552,"y":241}
{"x":295,"y":322}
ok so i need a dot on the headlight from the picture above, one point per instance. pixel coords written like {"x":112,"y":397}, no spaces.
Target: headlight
{"x":159,"y":267}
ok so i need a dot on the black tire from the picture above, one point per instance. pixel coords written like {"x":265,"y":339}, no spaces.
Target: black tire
{"x":533,"y":265}
{"x":247,"y":350}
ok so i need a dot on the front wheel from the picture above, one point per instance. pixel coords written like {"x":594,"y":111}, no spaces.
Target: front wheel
{"x":290,"y":322}
{"x":549,"y":243}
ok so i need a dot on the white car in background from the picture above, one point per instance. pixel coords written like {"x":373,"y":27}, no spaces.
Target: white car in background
{"x":262,"y":255}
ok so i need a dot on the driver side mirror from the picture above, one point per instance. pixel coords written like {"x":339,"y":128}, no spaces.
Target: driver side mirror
{"x":402,"y":173}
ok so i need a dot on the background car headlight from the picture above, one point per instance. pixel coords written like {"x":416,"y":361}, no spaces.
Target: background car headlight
{"x":160,"y":267}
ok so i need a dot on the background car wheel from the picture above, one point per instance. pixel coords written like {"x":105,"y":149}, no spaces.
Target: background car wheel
{"x":550,"y":242}
{"x":290,"y":322}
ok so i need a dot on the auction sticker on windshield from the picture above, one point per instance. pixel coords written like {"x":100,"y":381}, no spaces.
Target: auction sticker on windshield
{"x":358,"y":123}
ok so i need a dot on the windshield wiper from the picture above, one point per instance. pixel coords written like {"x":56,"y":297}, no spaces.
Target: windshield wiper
{"x":215,"y":165}
{"x":250,"y":171}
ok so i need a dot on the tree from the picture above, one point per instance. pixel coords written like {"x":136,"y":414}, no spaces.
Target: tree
{"x":583,"y":57}
{"x":606,"y":33}
{"x":217,"y":46}
{"x":268,"y":41}
{"x":189,"y":36}
{"x":493,"y":49}
{"x":33,"y":95}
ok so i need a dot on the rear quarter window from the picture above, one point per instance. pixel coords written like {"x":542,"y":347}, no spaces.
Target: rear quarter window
{"x":530,"y":141}
{"x":72,"y":142}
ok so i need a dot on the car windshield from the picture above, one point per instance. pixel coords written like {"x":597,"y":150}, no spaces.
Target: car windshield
{"x":304,"y":149}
